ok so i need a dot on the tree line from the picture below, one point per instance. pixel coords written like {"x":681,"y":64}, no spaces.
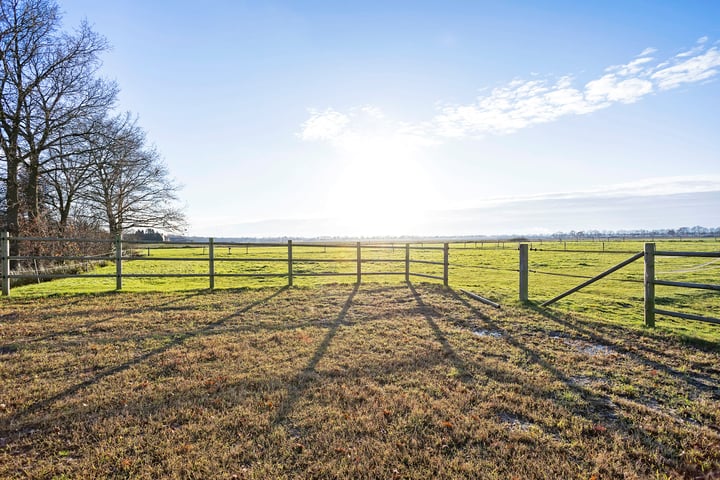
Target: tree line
{"x":70,"y":163}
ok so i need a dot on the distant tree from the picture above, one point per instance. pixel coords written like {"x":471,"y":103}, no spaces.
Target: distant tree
{"x":147,"y":235}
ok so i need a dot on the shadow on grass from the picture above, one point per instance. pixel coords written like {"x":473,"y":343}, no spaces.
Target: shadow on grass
{"x":597,"y":402}
{"x":179,"y":340}
{"x":79,"y":330}
{"x":600,"y":406}
{"x":302,"y":380}
{"x":701,"y":381}
{"x":237,"y":409}
{"x":448,"y":351}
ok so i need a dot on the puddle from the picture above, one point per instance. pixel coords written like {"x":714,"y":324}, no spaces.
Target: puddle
{"x":515,"y":423}
{"x":594,"y":350}
{"x":582,"y":346}
{"x":556,"y":334}
{"x":487,"y":333}
{"x":590,"y":349}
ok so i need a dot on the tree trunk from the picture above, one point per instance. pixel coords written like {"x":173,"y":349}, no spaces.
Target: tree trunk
{"x":31,"y":188}
{"x":13,"y":205}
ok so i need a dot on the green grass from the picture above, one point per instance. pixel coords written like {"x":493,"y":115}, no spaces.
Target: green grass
{"x":485,"y":268}
{"x":375,"y":381}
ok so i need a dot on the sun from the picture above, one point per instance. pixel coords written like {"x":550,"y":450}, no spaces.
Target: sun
{"x":382,"y":189}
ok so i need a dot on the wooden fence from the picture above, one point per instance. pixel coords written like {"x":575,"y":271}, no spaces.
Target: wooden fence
{"x":117,"y":256}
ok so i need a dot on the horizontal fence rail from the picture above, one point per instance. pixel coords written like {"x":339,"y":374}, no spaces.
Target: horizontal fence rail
{"x":129,"y":251}
{"x":687,"y":254}
{"x":304,"y":259}
{"x":651,"y":281}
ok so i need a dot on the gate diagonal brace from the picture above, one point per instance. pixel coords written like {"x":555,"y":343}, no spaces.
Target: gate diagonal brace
{"x":480,"y":299}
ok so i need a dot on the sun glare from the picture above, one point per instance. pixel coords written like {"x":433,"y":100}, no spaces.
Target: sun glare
{"x":383,"y":188}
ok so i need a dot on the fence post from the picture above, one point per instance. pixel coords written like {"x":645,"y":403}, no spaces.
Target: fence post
{"x":649,"y":284}
{"x":359,"y":263}
{"x":290,"y":264}
{"x":446,"y":260}
{"x":4,"y":258}
{"x":407,"y":262}
{"x":211,"y":254}
{"x":523,"y":272}
{"x":118,"y":262}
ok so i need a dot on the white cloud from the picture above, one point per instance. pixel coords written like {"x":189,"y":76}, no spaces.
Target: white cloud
{"x":661,"y":186}
{"x":648,"y":51}
{"x":510,"y":108}
{"x":523,"y":103}
{"x":632,"y":68}
{"x":323,"y":125}
{"x":611,"y":88}
{"x":364,"y":128}
{"x":694,"y":69}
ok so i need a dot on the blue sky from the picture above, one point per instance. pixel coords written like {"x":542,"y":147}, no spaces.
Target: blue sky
{"x":449,"y":117}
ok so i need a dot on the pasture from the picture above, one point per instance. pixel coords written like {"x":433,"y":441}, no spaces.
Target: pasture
{"x":487,"y":268}
{"x":378,"y":380}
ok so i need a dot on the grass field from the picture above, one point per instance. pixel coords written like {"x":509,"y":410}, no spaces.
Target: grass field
{"x":370,"y":381}
{"x":489,"y":269}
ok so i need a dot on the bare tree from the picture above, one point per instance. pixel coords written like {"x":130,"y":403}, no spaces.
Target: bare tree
{"x":66,"y":176}
{"x":48,"y":81}
{"x":63,"y":159}
{"x":129,"y":185}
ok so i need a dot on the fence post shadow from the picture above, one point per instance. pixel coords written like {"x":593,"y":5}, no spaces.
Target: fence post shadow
{"x":300,"y":383}
{"x":448,"y":351}
{"x":92,"y":323}
{"x":605,"y":340}
{"x":598,"y":402}
{"x":601,"y":404}
{"x":179,"y":340}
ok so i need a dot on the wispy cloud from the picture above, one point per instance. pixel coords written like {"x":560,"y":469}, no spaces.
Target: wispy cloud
{"x":524,"y":103}
{"x":647,"y":187}
{"x":324,"y":125}
{"x":352,"y":129}
{"x":691,"y":69}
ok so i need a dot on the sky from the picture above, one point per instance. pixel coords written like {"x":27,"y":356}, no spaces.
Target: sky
{"x":320,"y":118}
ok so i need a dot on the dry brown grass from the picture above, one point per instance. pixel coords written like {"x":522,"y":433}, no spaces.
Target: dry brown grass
{"x":344,"y":382}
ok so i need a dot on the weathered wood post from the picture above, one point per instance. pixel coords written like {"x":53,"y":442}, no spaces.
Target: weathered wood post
{"x":446,"y":263}
{"x":649,"y":284}
{"x":407,"y":262}
{"x":118,"y":262}
{"x":359,"y":263}
{"x":290,"y":264}
{"x":211,"y":258}
{"x":5,"y":260}
{"x":523,"y":269}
